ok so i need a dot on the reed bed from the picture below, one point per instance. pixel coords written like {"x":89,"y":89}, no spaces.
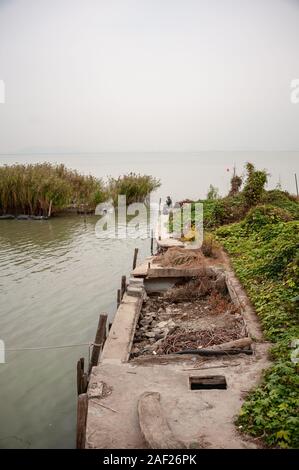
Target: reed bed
{"x":134,"y":186}
{"x":44,"y":188}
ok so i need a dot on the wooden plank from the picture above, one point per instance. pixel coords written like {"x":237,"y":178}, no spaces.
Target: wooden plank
{"x":153,"y":424}
{"x":82,"y":409}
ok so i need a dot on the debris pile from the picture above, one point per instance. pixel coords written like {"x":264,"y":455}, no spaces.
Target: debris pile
{"x":181,"y":340}
{"x":181,"y":257}
{"x":196,"y":314}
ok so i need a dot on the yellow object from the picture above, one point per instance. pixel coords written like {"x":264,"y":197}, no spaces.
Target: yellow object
{"x":189,"y":236}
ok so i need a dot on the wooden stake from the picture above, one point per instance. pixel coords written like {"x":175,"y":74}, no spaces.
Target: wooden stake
{"x":84,"y":383}
{"x":79,"y":375}
{"x":50,"y":209}
{"x":123,"y":286}
{"x":118,"y":297}
{"x":82,"y":409}
{"x":98,"y":342}
{"x":135,"y":258}
{"x":152,"y":242}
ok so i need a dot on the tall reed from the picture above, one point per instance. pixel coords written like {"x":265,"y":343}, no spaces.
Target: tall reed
{"x":134,"y":186}
{"x":33,"y":189}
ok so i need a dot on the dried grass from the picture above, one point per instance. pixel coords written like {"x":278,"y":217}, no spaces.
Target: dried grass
{"x":220,"y":304}
{"x":192,"y":290}
{"x":180,"y":257}
{"x":183,"y":340}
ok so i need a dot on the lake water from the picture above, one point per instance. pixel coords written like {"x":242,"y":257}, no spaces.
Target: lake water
{"x":56,"y":277}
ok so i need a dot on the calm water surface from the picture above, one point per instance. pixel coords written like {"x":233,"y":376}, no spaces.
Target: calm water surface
{"x":56,"y":278}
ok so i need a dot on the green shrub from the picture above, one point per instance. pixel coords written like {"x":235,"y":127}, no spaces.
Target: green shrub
{"x":254,"y":186}
{"x":282,"y":199}
{"x":267,"y":263}
{"x":262,"y":215}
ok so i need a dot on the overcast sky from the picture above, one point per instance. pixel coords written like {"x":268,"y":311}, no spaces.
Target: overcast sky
{"x":148,"y":75}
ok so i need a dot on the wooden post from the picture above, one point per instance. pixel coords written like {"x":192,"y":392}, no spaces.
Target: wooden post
{"x":135,"y":258}
{"x":50,"y":209}
{"x":152,"y":242}
{"x":82,"y":409}
{"x":80,"y":372}
{"x":123,"y":286}
{"x":84,"y":383}
{"x":98,"y":342}
{"x":159,"y":220}
{"x":118,"y":297}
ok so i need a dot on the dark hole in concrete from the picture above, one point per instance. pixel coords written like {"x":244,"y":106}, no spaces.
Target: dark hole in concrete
{"x":208,"y":382}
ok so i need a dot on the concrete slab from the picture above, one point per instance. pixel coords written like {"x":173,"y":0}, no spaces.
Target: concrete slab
{"x":156,"y":271}
{"x":119,"y":342}
{"x":142,"y":269}
{"x":197,"y":417}
{"x":200,"y":418}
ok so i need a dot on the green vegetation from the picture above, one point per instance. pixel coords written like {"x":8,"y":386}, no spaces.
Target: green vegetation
{"x":260,"y":231}
{"x":36,"y":189}
{"x":254,"y":187}
{"x":44,"y":188}
{"x":135,"y":187}
{"x":264,"y":249}
{"x":235,"y":206}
